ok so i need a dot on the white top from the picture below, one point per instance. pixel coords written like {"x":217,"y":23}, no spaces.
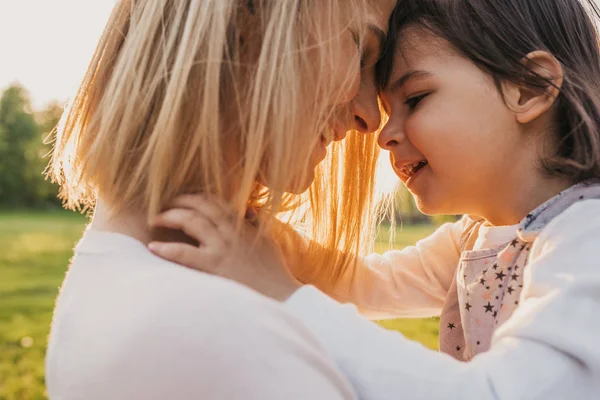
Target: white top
{"x":408,"y":283}
{"x":547,"y":350}
{"x":414,"y":282}
{"x":129,"y":325}
{"x":492,"y":237}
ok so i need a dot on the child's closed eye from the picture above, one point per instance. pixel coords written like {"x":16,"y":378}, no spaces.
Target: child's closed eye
{"x":414,"y":101}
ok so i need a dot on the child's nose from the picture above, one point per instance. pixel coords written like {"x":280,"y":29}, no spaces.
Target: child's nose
{"x":391,"y":135}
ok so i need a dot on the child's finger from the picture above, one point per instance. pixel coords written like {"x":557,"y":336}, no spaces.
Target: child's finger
{"x":215,"y":212}
{"x":183,"y":254}
{"x":192,"y":224}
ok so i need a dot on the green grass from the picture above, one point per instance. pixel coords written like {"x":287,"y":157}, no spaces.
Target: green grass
{"x":403,"y":236}
{"x":34,"y":251}
{"x":423,"y":330}
{"x":35,"y":248}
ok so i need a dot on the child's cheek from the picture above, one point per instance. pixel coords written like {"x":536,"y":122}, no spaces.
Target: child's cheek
{"x":422,"y":130}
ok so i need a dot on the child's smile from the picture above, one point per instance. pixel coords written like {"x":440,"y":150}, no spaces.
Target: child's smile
{"x":453,"y":141}
{"x":408,"y":171}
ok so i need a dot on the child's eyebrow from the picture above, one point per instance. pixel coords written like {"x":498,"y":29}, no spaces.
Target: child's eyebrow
{"x":410,"y":75}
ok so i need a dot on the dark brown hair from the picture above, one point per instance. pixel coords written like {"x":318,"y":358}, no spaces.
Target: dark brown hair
{"x":497,"y":34}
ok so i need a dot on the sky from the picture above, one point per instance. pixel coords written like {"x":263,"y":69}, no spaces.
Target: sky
{"x":46,"y":45}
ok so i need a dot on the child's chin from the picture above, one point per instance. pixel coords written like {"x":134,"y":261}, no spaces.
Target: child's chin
{"x":428,"y":207}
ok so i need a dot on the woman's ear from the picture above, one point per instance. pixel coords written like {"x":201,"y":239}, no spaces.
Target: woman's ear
{"x":529,"y":103}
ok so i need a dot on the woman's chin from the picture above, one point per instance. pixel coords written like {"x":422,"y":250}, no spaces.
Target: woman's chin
{"x":302,"y":186}
{"x":296,"y":187}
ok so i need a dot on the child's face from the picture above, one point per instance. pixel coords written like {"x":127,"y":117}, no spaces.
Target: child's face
{"x":452,"y":140}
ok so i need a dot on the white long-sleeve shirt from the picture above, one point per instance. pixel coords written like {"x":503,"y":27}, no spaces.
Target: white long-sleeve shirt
{"x":548,"y":349}
{"x":129,"y":325}
{"x":408,"y":283}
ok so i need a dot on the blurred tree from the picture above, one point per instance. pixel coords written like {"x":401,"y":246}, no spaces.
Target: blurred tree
{"x":18,"y":129}
{"x":22,"y":151}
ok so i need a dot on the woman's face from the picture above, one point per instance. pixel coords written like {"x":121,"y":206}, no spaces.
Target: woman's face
{"x":358,"y":107}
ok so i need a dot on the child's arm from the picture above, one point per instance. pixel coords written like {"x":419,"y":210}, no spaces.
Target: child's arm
{"x":547,"y":350}
{"x":412,"y":282}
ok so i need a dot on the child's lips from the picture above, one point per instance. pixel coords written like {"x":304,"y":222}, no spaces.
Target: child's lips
{"x":399,"y":171}
{"x":409,"y":169}
{"x":414,"y":176}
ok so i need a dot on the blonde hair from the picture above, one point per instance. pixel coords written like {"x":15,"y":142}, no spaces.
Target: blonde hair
{"x":204,"y":96}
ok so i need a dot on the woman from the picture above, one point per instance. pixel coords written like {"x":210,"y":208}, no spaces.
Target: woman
{"x":236,"y":99}
{"x":498,"y":119}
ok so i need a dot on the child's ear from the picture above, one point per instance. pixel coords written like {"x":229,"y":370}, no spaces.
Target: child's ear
{"x":527,"y":102}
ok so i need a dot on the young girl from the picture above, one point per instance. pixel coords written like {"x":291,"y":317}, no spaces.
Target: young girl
{"x":494,"y":113}
{"x":233,"y":98}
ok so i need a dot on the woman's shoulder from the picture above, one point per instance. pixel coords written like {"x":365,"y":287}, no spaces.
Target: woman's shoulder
{"x":117,"y":280}
{"x":159,"y":319}
{"x":214,"y":338}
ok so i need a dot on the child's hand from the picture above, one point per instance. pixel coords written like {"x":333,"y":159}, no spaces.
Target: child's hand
{"x":253,"y":260}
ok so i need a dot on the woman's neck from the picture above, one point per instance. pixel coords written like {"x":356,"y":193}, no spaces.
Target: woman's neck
{"x":130,"y":223}
{"x":134,"y":223}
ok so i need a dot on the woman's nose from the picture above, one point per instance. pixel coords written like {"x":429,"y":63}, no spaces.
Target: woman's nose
{"x":365,"y":109}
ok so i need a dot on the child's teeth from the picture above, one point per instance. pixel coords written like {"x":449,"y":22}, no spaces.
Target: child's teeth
{"x":410,"y":169}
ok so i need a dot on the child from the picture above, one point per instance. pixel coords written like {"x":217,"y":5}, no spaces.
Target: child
{"x":494,"y":113}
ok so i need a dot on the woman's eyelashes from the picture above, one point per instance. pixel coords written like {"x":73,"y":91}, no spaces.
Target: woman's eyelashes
{"x":368,"y":56}
{"x":414,"y":101}
{"x":361,"y":48}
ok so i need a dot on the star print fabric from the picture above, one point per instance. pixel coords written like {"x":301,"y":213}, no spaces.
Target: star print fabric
{"x":488,"y":282}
